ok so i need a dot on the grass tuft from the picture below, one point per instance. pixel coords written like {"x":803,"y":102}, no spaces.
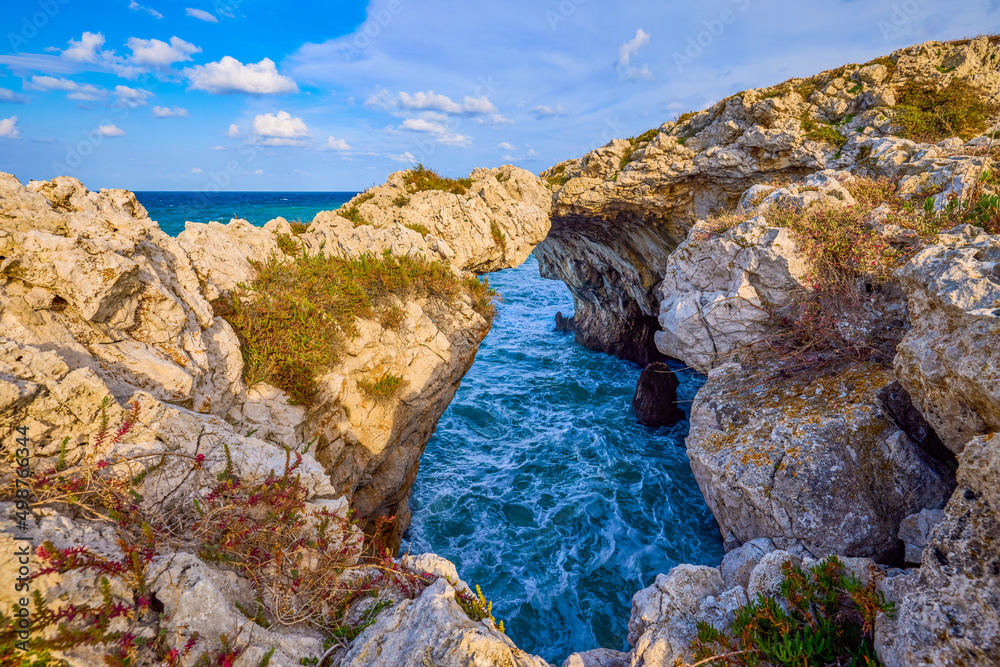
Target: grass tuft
{"x":930,"y":114}
{"x":418,"y":228}
{"x":383,"y":389}
{"x":421,"y":179}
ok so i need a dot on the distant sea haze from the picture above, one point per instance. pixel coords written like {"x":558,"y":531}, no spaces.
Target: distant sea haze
{"x":172,"y":209}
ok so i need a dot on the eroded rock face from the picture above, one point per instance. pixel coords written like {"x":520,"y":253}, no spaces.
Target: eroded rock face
{"x":947,"y":611}
{"x":495,"y":225}
{"x":433,"y":629}
{"x":949,"y":361}
{"x":626,"y":207}
{"x":809,"y":459}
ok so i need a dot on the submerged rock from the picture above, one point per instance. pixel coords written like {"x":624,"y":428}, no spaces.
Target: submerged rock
{"x":655,"y":401}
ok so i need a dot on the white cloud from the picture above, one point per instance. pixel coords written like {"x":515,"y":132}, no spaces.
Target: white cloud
{"x":259,"y":172}
{"x":11,"y":96}
{"x":282,"y":129}
{"x":131,"y":97}
{"x":637,"y":74}
{"x":110,"y":131}
{"x":438,"y":130}
{"x":88,"y":50}
{"x":157,"y":53}
{"x":406,"y":157}
{"x":234,"y":131}
{"x":197,"y":170}
{"x":503,"y":145}
{"x":217,"y":148}
{"x":229,"y":75}
{"x":9,"y":129}
{"x":201,"y":15}
{"x":543,"y":111}
{"x":170,"y":112}
{"x":628,"y":49}
{"x":76,"y":91}
{"x":135,"y":6}
{"x":336,"y":145}
{"x":430,"y":101}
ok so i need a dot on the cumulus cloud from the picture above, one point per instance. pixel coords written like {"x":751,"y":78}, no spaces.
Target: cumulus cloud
{"x":157,"y":53}
{"x":503,"y":145}
{"x":441,"y":132}
{"x":281,"y":129}
{"x":74,"y":90}
{"x":229,"y":75}
{"x":430,"y":101}
{"x":9,"y":129}
{"x":12,"y":97}
{"x":629,"y":48}
{"x":169,"y":112}
{"x":201,"y":15}
{"x":88,"y":49}
{"x":234,"y":131}
{"x":197,"y":170}
{"x":543,"y":111}
{"x":131,"y":98}
{"x":135,"y":6}
{"x":336,"y":145}
{"x":110,"y":131}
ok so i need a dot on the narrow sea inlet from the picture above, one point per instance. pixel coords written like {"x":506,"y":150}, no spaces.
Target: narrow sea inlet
{"x":541,"y":487}
{"x":538,"y":484}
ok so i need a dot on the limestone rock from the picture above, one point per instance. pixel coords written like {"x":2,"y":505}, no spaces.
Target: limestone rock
{"x":494,"y":225}
{"x":811,"y":459}
{"x":714,"y":288}
{"x":655,"y":401}
{"x":947,"y":611}
{"x":915,"y":532}
{"x":598,"y":657}
{"x":738,"y":564}
{"x":665,"y":615}
{"x":433,"y":629}
{"x":948,"y":362}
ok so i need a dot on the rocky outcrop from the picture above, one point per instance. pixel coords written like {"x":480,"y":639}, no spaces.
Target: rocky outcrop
{"x":433,"y":630}
{"x":623,"y":208}
{"x":949,"y":361}
{"x":494,"y":225}
{"x":655,"y":401}
{"x":947,"y":609}
{"x":809,"y":459}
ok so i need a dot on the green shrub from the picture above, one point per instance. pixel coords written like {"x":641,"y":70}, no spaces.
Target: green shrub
{"x":287,"y":244}
{"x":498,"y":236}
{"x":930,"y":114}
{"x":824,"y":617}
{"x":353,"y":214}
{"x":820,"y":131}
{"x":293,"y":318}
{"x":400,"y":200}
{"x":476,"y":607}
{"x":420,"y":179}
{"x":299,"y":227}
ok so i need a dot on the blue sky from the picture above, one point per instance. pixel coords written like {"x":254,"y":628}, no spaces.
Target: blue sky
{"x":311,"y":95}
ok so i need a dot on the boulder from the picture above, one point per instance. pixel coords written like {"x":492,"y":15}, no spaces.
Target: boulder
{"x":915,"y":531}
{"x":598,"y":657}
{"x":655,"y":401}
{"x":433,"y":629}
{"x":948,"y":361}
{"x":809,"y":458}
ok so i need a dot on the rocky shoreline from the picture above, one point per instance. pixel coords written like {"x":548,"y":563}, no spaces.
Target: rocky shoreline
{"x":829,"y":276}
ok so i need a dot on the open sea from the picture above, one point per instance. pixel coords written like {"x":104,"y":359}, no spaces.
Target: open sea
{"x":538,"y":484}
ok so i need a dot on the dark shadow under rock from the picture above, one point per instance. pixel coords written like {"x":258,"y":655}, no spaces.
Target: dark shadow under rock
{"x":899,"y":406}
{"x":655,"y":401}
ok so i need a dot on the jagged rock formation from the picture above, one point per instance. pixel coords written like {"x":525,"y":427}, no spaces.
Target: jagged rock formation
{"x":949,"y":362}
{"x":494,"y":225}
{"x":620,"y":210}
{"x":96,"y":301}
{"x":655,"y":401}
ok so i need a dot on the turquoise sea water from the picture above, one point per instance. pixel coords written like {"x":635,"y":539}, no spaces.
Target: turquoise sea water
{"x":538,"y":484}
{"x":173,"y":209}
